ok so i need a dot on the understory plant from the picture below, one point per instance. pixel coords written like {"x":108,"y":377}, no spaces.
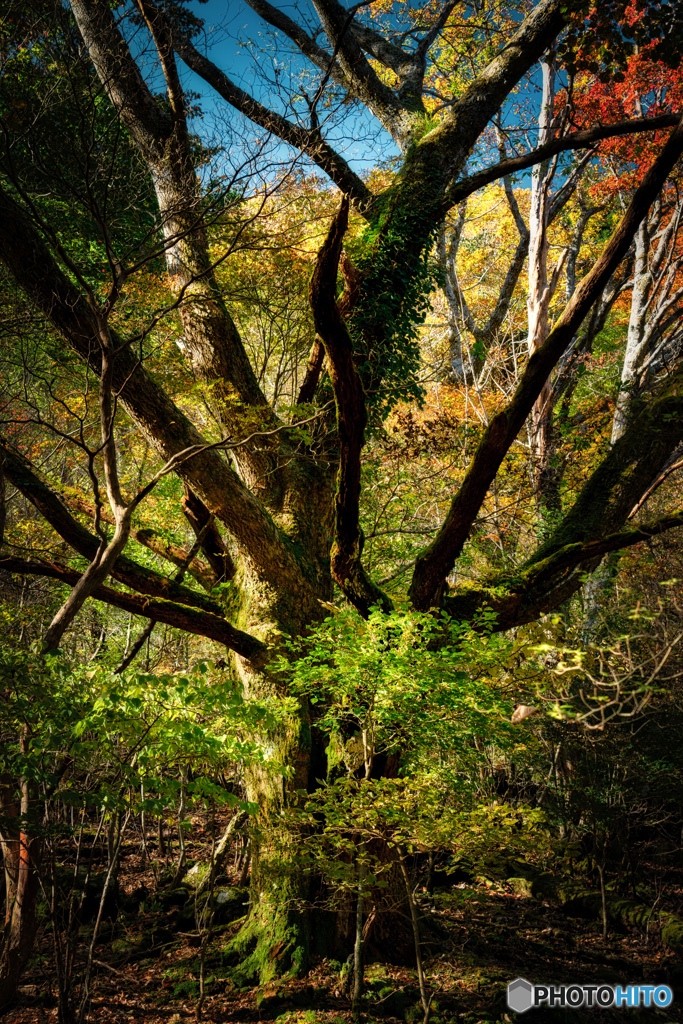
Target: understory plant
{"x":414,"y":708}
{"x":83,"y":754}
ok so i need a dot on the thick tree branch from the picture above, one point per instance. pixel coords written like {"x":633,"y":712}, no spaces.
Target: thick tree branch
{"x":345,"y":304}
{"x":577,"y":140}
{"x":345,"y":559}
{"x":439,"y":156}
{"x":171,"y":613}
{"x":411,"y":81}
{"x":363,"y":81}
{"x":386,"y":52}
{"x":168,"y":430}
{"x":552,"y":568}
{"x":628,"y":470}
{"x":150,"y":539}
{"x":313,"y":370}
{"x":435,"y":28}
{"x":149,"y":125}
{"x":206,"y":531}
{"x":347,"y":66}
{"x":593,"y":527}
{"x":20,"y":473}
{"x":414,"y":204}
{"x":434,"y":565}
{"x":211,"y":339}
{"x":546,"y":585}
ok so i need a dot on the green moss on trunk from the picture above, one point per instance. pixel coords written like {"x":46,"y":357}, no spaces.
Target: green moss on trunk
{"x":275,"y":941}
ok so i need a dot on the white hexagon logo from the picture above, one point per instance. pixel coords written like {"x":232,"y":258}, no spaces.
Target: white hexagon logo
{"x":520,"y":995}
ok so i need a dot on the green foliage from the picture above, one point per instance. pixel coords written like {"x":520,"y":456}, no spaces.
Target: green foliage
{"x":76,"y":167}
{"x":307,"y":1017}
{"x":94,"y":738}
{"x":365,"y":818}
{"x":427,"y":697}
{"x":407,"y":680}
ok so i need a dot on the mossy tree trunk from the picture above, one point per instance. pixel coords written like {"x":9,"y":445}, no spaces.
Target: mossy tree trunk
{"x":276,"y":939}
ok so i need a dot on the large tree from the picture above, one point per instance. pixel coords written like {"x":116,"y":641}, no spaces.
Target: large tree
{"x":275,"y":515}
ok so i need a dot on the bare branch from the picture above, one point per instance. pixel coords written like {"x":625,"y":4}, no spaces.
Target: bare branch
{"x":666,"y":472}
{"x":577,"y":140}
{"x":307,"y":140}
{"x":204,"y":526}
{"x":316,"y":54}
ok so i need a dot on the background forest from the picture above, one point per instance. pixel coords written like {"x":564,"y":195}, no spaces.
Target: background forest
{"x":341,"y":438}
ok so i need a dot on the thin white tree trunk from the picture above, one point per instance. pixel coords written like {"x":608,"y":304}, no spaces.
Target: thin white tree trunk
{"x":540,"y":288}
{"x":642,"y":284}
{"x":541,"y":178}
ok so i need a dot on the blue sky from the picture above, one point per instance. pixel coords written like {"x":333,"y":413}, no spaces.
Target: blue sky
{"x":245,"y":47}
{"x":241,"y":44}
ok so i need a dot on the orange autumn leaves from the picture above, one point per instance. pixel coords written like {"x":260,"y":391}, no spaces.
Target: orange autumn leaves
{"x":648,"y":88}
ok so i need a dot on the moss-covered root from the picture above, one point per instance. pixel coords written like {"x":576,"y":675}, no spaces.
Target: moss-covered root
{"x":579,"y":903}
{"x":269,"y":947}
{"x":672,"y":932}
{"x":629,"y":912}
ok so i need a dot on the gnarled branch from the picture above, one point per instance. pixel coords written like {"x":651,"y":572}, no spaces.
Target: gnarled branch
{"x":347,"y":548}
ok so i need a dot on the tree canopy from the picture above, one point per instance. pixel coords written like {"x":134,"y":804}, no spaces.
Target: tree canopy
{"x":208,"y":337}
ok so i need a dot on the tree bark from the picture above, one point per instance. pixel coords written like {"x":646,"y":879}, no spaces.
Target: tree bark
{"x":22,"y":853}
{"x":346,"y":565}
{"x":540,"y":294}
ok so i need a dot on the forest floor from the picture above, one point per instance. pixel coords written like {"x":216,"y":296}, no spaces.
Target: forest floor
{"x":483,"y":934}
